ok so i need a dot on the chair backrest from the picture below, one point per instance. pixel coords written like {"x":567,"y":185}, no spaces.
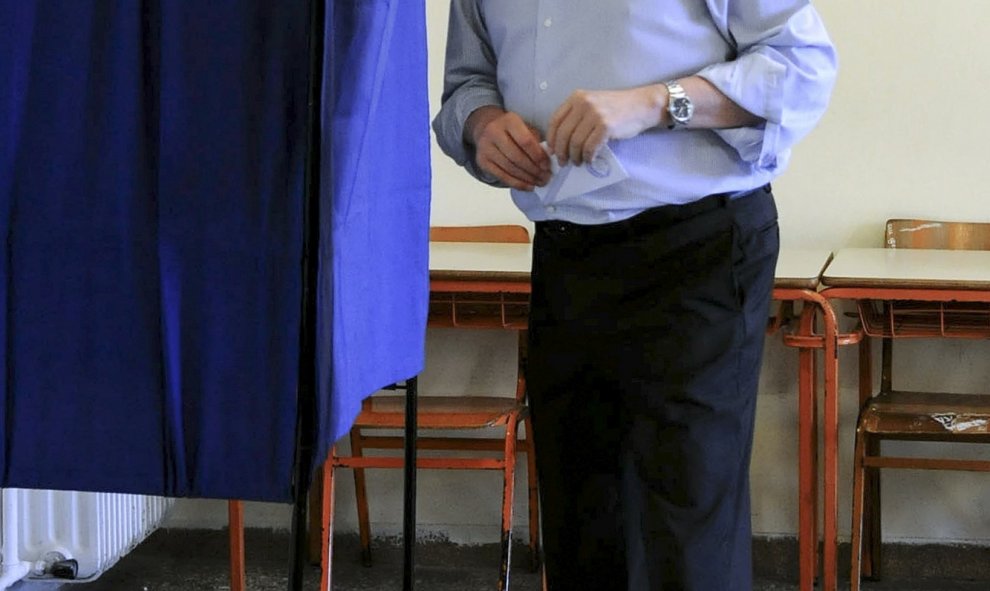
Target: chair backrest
{"x":939,"y":235}
{"x":499,"y":233}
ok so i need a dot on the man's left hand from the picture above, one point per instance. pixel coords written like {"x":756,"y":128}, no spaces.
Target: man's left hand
{"x":588,"y":119}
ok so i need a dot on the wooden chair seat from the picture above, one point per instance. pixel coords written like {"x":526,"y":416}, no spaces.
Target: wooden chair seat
{"x":932,"y":415}
{"x":441,"y":412}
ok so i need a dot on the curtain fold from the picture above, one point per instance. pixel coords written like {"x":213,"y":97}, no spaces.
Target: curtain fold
{"x":151,"y":158}
{"x":379,"y":247}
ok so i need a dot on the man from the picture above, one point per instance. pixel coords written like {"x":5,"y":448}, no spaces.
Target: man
{"x":650,"y":295}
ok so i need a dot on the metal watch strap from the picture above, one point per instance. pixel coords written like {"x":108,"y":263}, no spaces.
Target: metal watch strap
{"x":676,"y":94}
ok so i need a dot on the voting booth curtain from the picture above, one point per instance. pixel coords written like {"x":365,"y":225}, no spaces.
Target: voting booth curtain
{"x":151,"y":199}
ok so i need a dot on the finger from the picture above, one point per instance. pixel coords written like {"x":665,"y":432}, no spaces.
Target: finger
{"x":575,"y":147}
{"x":561,"y":143}
{"x":513,"y":167}
{"x":544,"y":155}
{"x":554,"y":125}
{"x":568,"y":115}
{"x":539,"y":155}
{"x":594,"y":143}
{"x":513,"y":153}
{"x":507,"y":177}
{"x":528,"y":143}
{"x":490,"y":154}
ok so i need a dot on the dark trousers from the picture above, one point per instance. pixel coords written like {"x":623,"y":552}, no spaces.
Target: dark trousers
{"x":646,"y":339}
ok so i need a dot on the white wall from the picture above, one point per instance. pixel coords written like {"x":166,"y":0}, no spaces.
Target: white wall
{"x":905,"y":136}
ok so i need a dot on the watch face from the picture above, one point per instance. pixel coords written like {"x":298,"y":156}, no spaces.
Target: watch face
{"x":681,"y":109}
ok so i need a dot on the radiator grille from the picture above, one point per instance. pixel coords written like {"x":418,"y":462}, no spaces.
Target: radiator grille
{"x":94,"y":529}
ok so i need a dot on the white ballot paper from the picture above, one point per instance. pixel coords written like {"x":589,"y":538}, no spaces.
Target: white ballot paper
{"x":568,"y":181}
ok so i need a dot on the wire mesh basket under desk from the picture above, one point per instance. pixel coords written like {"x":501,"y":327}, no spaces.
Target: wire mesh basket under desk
{"x":912,"y":318}
{"x":479,"y":309}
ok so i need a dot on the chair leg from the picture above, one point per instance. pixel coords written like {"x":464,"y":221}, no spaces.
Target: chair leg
{"x":870,"y":545}
{"x":315,"y":518}
{"x":532,"y":482}
{"x":235,"y":527}
{"x":856,"y":545}
{"x":872,"y":534}
{"x":508,"y":489}
{"x":326,"y":523}
{"x":361,"y":495}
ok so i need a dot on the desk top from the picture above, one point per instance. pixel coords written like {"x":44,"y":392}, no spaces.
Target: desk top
{"x":800,"y":268}
{"x":796,"y":268}
{"x":480,"y":261}
{"x":909,"y":268}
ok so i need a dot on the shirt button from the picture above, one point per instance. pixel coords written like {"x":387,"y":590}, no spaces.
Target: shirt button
{"x":548,"y":22}
{"x":551,"y":209}
{"x":544,"y":85}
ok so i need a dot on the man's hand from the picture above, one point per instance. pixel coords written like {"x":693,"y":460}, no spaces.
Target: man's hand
{"x":588,"y":119}
{"x":508,"y":148}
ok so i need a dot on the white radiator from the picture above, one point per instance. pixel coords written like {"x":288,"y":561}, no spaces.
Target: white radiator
{"x":72,"y":536}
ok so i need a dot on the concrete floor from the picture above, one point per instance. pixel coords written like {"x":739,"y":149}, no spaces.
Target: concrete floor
{"x":185,"y":560}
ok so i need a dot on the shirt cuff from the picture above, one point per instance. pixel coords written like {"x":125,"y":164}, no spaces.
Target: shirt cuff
{"x":450,"y":122}
{"x":755,"y":84}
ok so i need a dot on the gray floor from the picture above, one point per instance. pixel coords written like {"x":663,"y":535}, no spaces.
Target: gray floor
{"x":182,"y":560}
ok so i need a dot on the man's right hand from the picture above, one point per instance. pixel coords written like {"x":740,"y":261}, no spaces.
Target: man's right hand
{"x":507,"y":148}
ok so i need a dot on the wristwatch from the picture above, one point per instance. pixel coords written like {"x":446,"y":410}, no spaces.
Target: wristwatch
{"x":679,"y":105}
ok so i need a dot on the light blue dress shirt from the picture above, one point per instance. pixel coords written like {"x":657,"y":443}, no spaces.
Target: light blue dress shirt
{"x":772,"y":57}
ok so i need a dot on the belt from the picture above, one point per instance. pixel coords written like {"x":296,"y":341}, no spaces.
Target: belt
{"x":660,"y":216}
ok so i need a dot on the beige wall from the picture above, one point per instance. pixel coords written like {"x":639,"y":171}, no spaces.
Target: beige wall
{"x":905,"y":136}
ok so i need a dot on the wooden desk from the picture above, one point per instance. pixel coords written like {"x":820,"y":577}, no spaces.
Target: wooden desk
{"x":481,"y":266}
{"x":889,"y":286}
{"x":486,"y":286}
{"x":960,"y":271}
{"x":479,"y":285}
{"x":800,"y":268}
{"x":957,"y":281}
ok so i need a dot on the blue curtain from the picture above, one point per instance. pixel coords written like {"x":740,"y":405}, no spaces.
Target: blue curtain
{"x":151,"y":192}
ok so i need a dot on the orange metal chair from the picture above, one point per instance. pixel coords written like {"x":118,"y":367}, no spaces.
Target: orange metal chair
{"x":462,"y":414}
{"x":916,"y":416}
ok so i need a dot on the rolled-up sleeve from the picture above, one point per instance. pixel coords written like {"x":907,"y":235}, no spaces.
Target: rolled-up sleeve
{"x":783,"y":72}
{"x":470,"y":82}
